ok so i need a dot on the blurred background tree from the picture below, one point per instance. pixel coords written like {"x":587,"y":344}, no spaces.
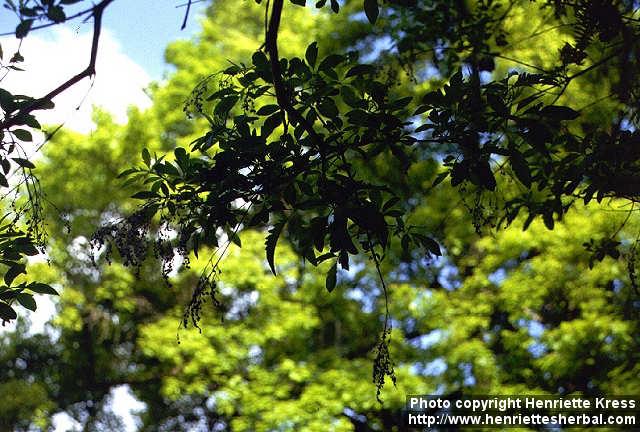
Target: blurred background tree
{"x":504,"y":311}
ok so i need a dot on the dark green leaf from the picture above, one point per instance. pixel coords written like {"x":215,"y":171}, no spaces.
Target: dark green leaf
{"x":312,"y":54}
{"x":16,"y":58}
{"x":440,"y":178}
{"x":6,"y":312}
{"x":332,"y":277}
{"x":372,"y":10}
{"x":181,"y":156}
{"x":361,"y":69}
{"x":23,"y":135}
{"x":318,"y":227}
{"x":328,"y":108}
{"x":167,"y":168}
{"x":520,"y":168}
{"x":330,"y":62}
{"x":24,"y":163}
{"x":260,"y":60}
{"x":555,"y":112}
{"x":23,"y":28}
{"x":270,"y":124}
{"x":13,"y":272}
{"x":358,"y":117}
{"x":27,"y":248}
{"x":421,"y":109}
{"x":146,"y":157}
{"x":349,"y":97}
{"x":6,"y":100}
{"x":400,"y":103}
{"x":390,"y":203}
{"x":268,"y":109}
{"x":482,"y":172}
{"x":224,"y":106}
{"x":232,"y":70}
{"x":235,"y":238}
{"x":271,"y":243}
{"x":497,"y":104}
{"x":56,"y":14}
{"x":27,"y":301}
{"x":42,"y":288}
{"x":143,"y":195}
{"x":429,"y":244}
{"x":547,"y":217}
{"x":127,"y":172}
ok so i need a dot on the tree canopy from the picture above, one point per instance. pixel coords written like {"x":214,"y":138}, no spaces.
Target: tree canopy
{"x":382,"y":160}
{"x":289,"y":138}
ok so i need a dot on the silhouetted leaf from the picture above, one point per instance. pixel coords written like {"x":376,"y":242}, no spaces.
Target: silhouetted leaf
{"x":24,"y":163}
{"x":268,"y":109}
{"x":440,"y":178}
{"x":332,"y":277}
{"x":23,"y":135}
{"x":56,"y":14}
{"x":330,"y":62}
{"x":271,"y":243}
{"x":23,"y":28}
{"x":520,"y":168}
{"x":145,"y":195}
{"x":547,"y":217}
{"x":6,"y":312}
{"x":146,"y":157}
{"x":235,"y":238}
{"x":312,"y":54}
{"x":555,"y":112}
{"x":42,"y":288}
{"x":13,"y":272}
{"x":328,"y":108}
{"x":27,"y":301}
{"x":224,"y":106}
{"x":372,"y":10}
{"x":361,"y":69}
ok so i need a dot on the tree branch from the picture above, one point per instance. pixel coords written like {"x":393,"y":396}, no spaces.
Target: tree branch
{"x":89,"y":71}
{"x":283,"y":95}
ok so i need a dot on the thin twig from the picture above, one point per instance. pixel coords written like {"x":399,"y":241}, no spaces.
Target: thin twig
{"x":186,"y":16}
{"x":51,"y":24}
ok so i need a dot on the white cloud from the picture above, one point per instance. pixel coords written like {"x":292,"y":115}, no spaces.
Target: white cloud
{"x":54,"y":56}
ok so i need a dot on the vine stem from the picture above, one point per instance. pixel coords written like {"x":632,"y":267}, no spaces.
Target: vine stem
{"x":385,"y":291}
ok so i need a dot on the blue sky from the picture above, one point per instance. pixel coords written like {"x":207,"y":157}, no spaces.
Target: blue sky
{"x":131,"y":55}
{"x":143,"y":28}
